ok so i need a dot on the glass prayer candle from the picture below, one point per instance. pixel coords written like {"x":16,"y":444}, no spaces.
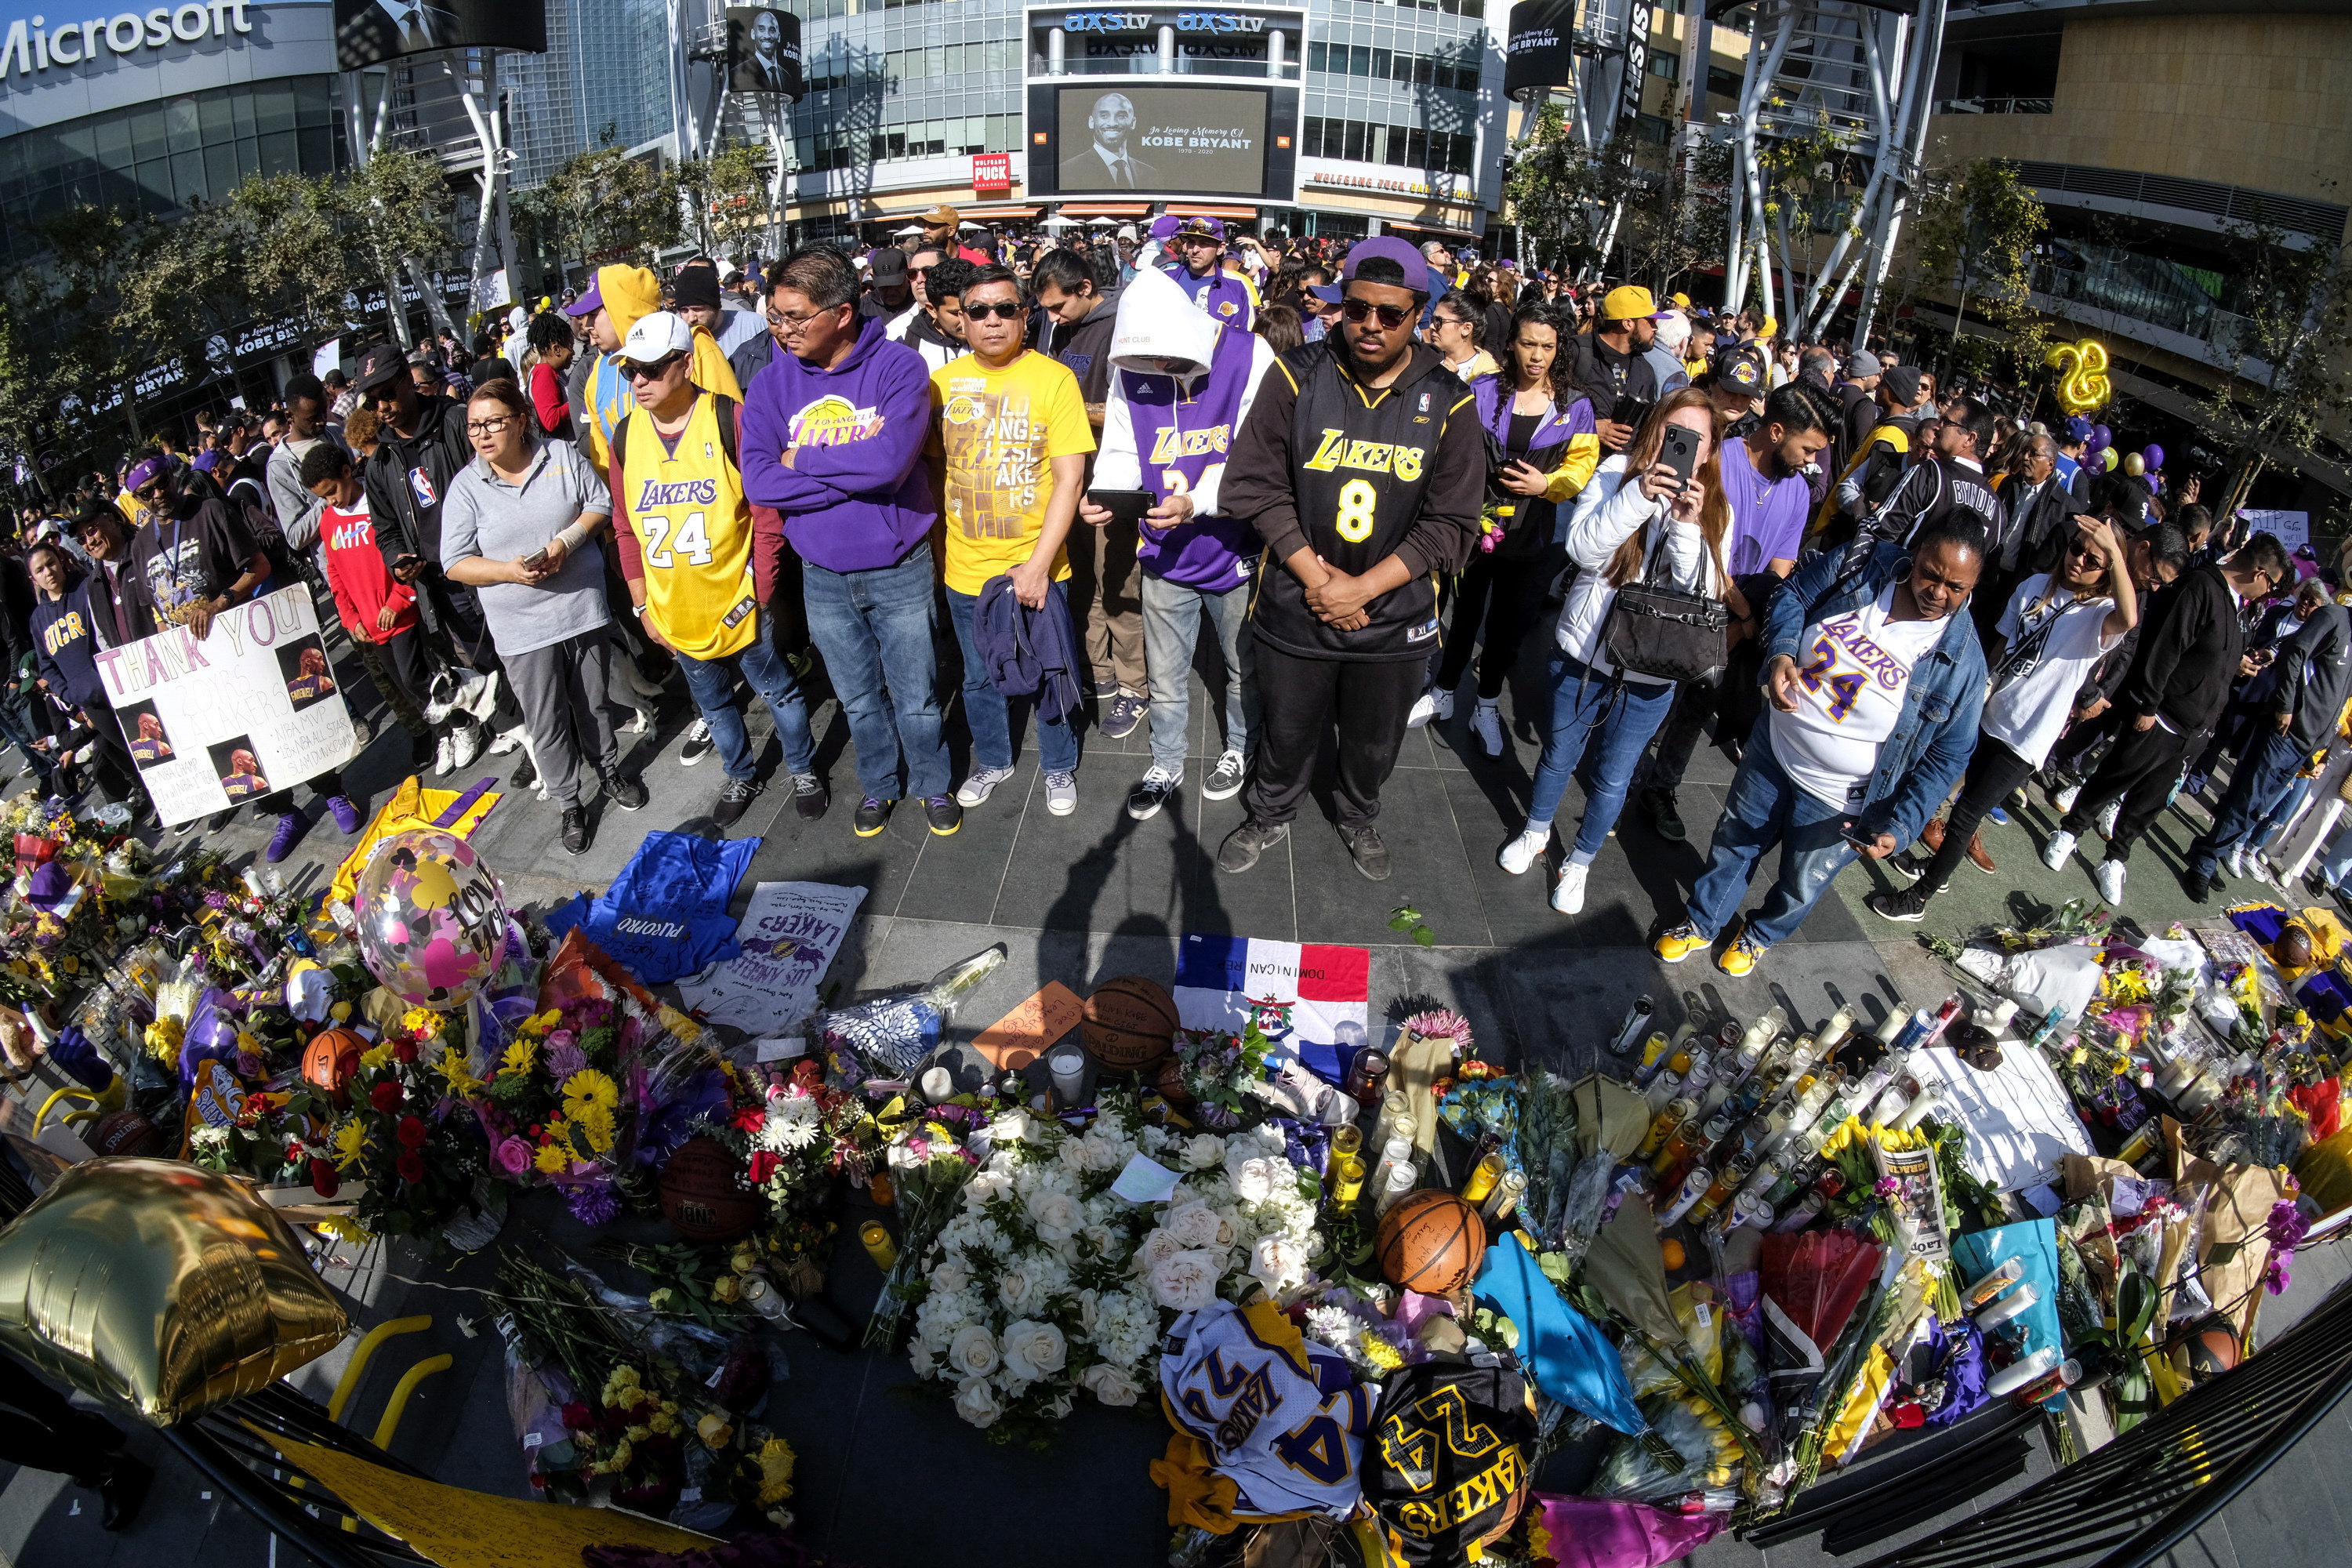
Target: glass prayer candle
{"x":878,"y":1245}
{"x":1483,"y":1177}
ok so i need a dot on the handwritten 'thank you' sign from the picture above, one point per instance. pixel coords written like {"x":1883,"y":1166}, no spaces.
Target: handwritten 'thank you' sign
{"x":250,"y":708}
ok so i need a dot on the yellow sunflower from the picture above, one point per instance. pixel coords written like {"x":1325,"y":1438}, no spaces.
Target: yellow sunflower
{"x":520,"y":1058}
{"x":587,"y":1087}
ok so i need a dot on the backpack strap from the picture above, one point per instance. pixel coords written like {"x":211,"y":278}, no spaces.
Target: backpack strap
{"x":730,"y":416}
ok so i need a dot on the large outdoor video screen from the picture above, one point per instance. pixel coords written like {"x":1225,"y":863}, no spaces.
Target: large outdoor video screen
{"x":1109,"y":137}
{"x":369,"y":32}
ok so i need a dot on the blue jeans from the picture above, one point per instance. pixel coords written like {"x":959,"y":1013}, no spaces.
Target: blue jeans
{"x":874,"y":629}
{"x":2335,"y":862}
{"x":2264,"y":776}
{"x":1171,"y":629}
{"x":17,"y":723}
{"x":988,"y":710}
{"x":1765,"y":807}
{"x":712,"y":684}
{"x":1627,"y":716}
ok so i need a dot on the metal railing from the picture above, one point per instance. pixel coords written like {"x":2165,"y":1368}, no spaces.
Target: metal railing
{"x":2142,"y":1495}
{"x":1992,"y":106}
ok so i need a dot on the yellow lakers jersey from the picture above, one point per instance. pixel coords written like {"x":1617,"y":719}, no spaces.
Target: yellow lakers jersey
{"x":694,"y":533}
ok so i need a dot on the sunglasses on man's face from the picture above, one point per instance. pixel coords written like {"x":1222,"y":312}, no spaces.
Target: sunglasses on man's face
{"x":1006,"y":310}
{"x":1359,"y":311}
{"x":655,"y":371}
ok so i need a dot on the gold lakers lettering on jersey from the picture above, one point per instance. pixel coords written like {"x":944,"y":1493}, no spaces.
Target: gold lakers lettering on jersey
{"x":1337,"y":449}
{"x":996,"y":460}
{"x":694,"y":535}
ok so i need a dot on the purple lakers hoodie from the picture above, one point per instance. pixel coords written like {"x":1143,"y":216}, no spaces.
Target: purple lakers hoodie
{"x":857,"y":495}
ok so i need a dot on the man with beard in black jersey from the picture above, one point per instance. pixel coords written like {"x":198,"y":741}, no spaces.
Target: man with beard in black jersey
{"x":1362,"y":469}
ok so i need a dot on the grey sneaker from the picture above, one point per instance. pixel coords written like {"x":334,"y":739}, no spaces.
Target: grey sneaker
{"x":981,"y":786}
{"x":1244,"y":844}
{"x":1125,"y":713}
{"x":1370,"y":855}
{"x":1224,"y":780}
{"x":1151,"y":793}
{"x":1061,"y":794}
{"x":735,"y":798}
{"x":810,"y":797}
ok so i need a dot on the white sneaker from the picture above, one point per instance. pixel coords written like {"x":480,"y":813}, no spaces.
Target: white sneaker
{"x":1487,"y":723}
{"x":2237,"y":861}
{"x":2110,"y":879}
{"x":2259,"y":867}
{"x":2063,"y":801}
{"x":1061,"y":794}
{"x":1430,"y":704}
{"x":441,"y":756}
{"x":981,"y":786}
{"x":465,"y":745}
{"x":2055,"y":853}
{"x":1568,"y":893}
{"x":1525,"y":850}
{"x":2108,"y":815}
{"x":507,"y":740}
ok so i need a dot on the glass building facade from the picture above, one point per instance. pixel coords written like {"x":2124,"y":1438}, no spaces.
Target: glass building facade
{"x":606,"y":69}
{"x":159,"y":156}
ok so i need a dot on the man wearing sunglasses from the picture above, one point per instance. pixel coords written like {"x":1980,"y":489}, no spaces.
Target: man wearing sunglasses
{"x":682,"y":527}
{"x":2192,"y":648}
{"x":2053,"y":631}
{"x":1361,"y":469}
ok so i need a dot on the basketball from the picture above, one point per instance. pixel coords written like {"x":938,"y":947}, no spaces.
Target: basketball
{"x":1431,"y":1242}
{"x":703,"y":1193}
{"x":1171,"y":1085}
{"x":330,"y":1059}
{"x":124,"y":1132}
{"x":1129,"y":1023}
{"x":2292,"y":948}
{"x":2213,"y":1347}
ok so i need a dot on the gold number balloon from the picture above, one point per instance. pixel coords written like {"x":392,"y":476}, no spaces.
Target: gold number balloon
{"x":160,"y":1287}
{"x":2081,"y":368}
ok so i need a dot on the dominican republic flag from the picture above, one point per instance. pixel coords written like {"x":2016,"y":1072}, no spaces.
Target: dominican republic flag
{"x":1298,"y":994}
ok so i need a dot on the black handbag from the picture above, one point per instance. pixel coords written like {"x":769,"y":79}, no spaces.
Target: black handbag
{"x":1659,"y":633}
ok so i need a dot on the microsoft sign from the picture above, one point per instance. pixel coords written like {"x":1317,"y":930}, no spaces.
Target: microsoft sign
{"x":36,"y":46}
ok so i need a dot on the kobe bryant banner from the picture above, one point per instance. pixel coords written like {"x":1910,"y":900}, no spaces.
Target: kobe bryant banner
{"x":763,"y":51}
{"x":369,"y":32}
{"x":251,"y":708}
{"x":1537,"y":54}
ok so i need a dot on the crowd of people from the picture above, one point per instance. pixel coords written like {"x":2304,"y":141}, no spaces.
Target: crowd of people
{"x":1341,"y":479}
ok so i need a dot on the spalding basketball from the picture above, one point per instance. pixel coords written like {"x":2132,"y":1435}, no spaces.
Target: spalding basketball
{"x":1129,"y":1023}
{"x":1171,"y":1084}
{"x":330,"y":1059}
{"x":704,"y":1195}
{"x":2213,"y":1347}
{"x":1431,"y":1242}
{"x":124,"y":1132}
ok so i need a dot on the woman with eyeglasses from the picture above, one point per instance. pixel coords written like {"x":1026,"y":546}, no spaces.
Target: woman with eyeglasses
{"x":1457,"y":330}
{"x":521,"y":528}
{"x":2056,"y":628}
{"x":1541,"y":449}
{"x":1637,"y":520}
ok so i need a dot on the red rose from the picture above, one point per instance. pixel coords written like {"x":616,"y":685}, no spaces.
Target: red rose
{"x":411,"y":1165}
{"x":751,"y":1119}
{"x":578,"y":1418}
{"x":763,"y":1166}
{"x":413,"y":1133}
{"x":405,"y":1052}
{"x":385,"y":1097}
{"x":324,"y":1180}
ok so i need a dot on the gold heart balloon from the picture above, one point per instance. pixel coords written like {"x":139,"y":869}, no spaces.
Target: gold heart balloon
{"x":2083,"y":384}
{"x":161,"y":1288}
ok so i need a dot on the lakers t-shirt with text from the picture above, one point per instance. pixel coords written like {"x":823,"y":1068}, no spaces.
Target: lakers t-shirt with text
{"x":1001,"y":430}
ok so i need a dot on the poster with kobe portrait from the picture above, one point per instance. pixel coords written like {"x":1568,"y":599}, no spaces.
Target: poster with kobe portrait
{"x":250,"y":708}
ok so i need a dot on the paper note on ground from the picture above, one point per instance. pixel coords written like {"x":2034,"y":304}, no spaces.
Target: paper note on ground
{"x":1023,"y":1035}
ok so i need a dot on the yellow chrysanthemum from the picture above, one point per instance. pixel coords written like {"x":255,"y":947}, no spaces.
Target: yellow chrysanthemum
{"x":520,"y":1058}
{"x":350,"y":1145}
{"x":376,"y":1058}
{"x":1378,"y":1352}
{"x":342,"y":1227}
{"x":595,"y":1123}
{"x":422,"y":1022}
{"x":540,"y":1024}
{"x":455,"y":1073}
{"x":552,"y":1157}
{"x":613,"y":1464}
{"x":589,"y":1087}
{"x":164,"y":1037}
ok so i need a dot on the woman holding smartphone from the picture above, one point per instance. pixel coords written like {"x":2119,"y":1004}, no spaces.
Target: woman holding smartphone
{"x":1642,"y":518}
{"x":519,"y":526}
{"x":1540,"y":430}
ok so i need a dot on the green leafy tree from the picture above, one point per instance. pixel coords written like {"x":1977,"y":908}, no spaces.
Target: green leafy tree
{"x":397,"y":209}
{"x":2287,"y":374}
{"x":1974,"y":233}
{"x":610,"y":206}
{"x":723,"y":198}
{"x":1563,"y":194}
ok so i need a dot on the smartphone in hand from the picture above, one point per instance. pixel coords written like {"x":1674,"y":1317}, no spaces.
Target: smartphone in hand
{"x":1678,"y":450}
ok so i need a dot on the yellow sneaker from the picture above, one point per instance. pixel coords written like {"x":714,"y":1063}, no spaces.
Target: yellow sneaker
{"x":1681,"y":942}
{"x":1741,"y":957}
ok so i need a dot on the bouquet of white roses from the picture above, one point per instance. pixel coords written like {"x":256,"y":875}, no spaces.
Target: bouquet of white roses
{"x":1046,"y":1283}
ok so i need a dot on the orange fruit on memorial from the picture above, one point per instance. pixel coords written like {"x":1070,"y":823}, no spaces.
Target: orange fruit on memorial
{"x":1431,"y":1242}
{"x":1129,"y":1023}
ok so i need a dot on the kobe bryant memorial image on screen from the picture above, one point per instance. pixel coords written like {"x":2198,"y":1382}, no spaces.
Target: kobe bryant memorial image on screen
{"x":369,"y":32}
{"x":763,"y":50}
{"x":1162,"y":139}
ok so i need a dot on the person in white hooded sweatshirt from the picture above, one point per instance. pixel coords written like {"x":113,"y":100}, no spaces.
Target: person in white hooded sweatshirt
{"x":1181,"y":385}
{"x":1636,"y":521}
